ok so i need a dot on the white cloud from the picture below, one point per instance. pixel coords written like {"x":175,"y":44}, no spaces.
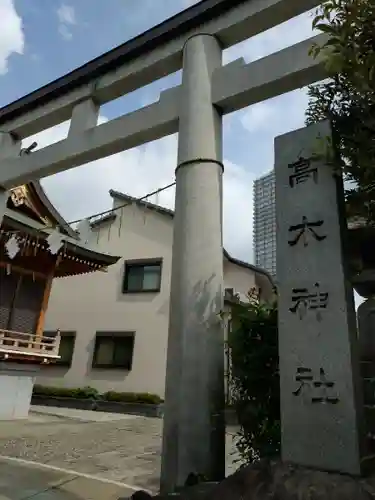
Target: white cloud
{"x":189,"y":3}
{"x":67,"y":18}
{"x":276,"y":116}
{"x":66,"y":14}
{"x":259,"y":117}
{"x":65,"y":32}
{"x":11,"y":34}
{"x":238,"y":211}
{"x":266,"y":120}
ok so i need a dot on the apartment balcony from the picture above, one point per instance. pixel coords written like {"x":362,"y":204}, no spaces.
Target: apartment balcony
{"x":28,"y":347}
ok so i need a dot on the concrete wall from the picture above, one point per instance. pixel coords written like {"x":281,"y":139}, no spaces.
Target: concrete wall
{"x":16,"y":385}
{"x":94,"y":302}
{"x":239,"y":278}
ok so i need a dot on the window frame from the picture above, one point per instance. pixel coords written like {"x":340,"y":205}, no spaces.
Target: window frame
{"x":134,"y":263}
{"x":63,"y":334}
{"x":113,"y":335}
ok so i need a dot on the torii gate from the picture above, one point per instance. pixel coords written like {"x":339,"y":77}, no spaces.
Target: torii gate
{"x":194,"y":40}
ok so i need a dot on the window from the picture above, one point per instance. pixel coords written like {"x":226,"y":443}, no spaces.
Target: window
{"x":66,"y":349}
{"x":114,"y":350}
{"x":142,"y":276}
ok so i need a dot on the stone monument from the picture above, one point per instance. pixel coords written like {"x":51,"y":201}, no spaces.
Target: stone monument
{"x":321,"y":403}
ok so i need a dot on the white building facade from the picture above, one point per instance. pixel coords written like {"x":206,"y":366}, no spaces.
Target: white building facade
{"x":114,"y":325}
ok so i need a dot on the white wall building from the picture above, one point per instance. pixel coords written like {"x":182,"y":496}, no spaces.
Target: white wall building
{"x":114,"y":325}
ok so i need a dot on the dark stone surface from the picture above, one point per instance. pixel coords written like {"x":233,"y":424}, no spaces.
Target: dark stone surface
{"x":60,"y":402}
{"x":231,"y":416}
{"x":142,"y":409}
{"x":278,"y":481}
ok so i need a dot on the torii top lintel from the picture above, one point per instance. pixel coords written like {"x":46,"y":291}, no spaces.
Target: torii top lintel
{"x":78,"y":95}
{"x":232,"y":21}
{"x":150,"y":40}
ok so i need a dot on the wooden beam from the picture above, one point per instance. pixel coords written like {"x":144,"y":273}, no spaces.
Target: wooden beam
{"x":21,"y":270}
{"x":43,"y":310}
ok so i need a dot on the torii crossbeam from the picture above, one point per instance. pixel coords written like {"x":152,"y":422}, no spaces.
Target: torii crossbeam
{"x":192,"y":40}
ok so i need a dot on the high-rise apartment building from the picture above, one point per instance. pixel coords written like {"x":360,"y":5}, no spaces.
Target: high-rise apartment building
{"x":265,"y":222}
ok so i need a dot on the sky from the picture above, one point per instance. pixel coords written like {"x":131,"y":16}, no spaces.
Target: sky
{"x":41,"y":40}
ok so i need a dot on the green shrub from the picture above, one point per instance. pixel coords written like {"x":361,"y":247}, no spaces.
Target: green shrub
{"x":91,"y":393}
{"x":64,"y":392}
{"x":254,"y":378}
{"x":131,"y":397}
{"x":86,"y":393}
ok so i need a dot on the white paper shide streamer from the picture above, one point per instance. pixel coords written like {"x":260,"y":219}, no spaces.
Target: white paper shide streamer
{"x":55,"y":241}
{"x":12,"y":247}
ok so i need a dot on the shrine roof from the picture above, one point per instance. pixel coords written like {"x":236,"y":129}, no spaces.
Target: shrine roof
{"x":32,"y":200}
{"x":61,"y":222}
{"x":22,"y":223}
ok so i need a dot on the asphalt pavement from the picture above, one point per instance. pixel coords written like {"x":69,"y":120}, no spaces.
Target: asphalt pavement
{"x":65,"y":454}
{"x":20,"y":481}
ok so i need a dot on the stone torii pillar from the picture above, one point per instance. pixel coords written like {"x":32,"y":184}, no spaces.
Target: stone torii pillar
{"x":194,"y":427}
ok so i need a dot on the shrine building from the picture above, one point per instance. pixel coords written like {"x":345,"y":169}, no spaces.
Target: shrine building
{"x":36,"y":246}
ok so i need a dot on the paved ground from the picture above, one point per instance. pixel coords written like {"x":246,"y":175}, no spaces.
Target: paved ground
{"x":20,"y":481}
{"x":80,"y":453}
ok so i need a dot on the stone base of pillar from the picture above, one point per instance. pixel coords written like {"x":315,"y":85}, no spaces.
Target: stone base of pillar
{"x":16,"y":387}
{"x":277,"y":481}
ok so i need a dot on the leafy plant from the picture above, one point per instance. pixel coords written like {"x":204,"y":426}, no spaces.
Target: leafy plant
{"x":65,"y":392}
{"x":86,"y":393}
{"x":254,"y":377}
{"x":347,"y":99}
{"x":131,"y":397}
{"x":93,"y":394}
